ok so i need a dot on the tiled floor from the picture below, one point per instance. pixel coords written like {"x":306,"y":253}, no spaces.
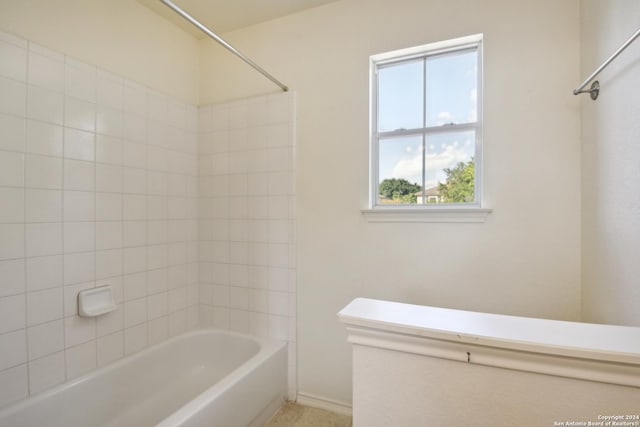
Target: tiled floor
{"x":294,"y":415}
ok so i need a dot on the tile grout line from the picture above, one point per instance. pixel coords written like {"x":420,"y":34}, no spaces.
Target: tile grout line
{"x":62,"y":189}
{"x":24,"y":226}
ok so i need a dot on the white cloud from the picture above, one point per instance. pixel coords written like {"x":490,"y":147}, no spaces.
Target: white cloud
{"x":444,"y":117}
{"x":411,"y":169}
{"x":447,"y":158}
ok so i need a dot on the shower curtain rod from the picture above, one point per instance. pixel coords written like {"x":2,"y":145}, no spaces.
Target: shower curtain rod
{"x":220,"y":40}
{"x":595,"y":87}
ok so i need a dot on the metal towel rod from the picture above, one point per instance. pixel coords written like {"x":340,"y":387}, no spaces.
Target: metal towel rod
{"x":220,"y":40}
{"x":595,"y":87}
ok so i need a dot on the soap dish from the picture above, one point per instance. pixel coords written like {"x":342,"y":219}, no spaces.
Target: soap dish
{"x":95,"y":302}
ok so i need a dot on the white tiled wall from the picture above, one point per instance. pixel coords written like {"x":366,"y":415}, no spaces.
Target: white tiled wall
{"x":247,"y":219}
{"x":98,"y":185}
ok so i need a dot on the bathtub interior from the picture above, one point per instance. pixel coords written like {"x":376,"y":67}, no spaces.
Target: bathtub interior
{"x":165,"y":382}
{"x":141,"y":390}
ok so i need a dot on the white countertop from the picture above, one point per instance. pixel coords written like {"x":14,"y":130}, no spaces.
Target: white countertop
{"x":574,"y":339}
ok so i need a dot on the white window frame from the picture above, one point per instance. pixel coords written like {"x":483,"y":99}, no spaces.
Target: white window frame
{"x":450,"y":212}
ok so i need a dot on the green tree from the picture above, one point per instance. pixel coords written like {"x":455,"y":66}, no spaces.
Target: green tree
{"x":459,"y":187}
{"x":399,"y":190}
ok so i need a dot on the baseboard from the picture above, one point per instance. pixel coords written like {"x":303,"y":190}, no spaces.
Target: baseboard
{"x":324,"y":403}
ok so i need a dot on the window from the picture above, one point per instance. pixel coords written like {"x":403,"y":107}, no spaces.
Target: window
{"x":427,"y":126}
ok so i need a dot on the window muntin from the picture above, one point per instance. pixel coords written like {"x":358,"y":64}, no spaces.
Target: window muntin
{"x":426,"y":126}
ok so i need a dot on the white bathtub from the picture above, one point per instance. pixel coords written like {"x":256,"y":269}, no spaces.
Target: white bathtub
{"x":201,"y":378}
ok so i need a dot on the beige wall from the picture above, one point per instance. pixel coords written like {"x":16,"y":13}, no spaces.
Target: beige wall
{"x":394,"y":388}
{"x":610,"y":165}
{"x":524,"y":260}
{"x":120,"y":36}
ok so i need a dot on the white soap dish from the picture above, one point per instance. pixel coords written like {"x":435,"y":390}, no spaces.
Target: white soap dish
{"x":95,"y":302}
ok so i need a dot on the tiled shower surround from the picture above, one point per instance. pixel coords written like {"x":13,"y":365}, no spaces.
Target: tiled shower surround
{"x":104,"y":181}
{"x":247,"y":219}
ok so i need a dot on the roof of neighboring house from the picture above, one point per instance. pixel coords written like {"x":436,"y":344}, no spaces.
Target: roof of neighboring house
{"x":433,"y":191}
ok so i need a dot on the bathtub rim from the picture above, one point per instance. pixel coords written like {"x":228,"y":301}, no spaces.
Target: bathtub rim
{"x":266,"y":348}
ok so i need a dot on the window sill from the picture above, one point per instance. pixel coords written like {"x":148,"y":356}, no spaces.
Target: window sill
{"x":457,"y":214}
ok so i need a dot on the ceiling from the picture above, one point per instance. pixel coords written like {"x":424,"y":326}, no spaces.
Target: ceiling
{"x":221,"y":16}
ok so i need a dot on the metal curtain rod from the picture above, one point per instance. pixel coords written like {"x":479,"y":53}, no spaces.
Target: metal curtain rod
{"x":595,"y":87}
{"x":220,"y":40}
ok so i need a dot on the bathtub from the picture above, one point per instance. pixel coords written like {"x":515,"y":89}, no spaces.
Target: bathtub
{"x":201,"y":378}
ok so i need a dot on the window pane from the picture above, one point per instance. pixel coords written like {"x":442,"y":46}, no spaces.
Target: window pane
{"x":400,"y":91}
{"x":452,"y":88}
{"x":400,"y":169}
{"x":450,"y":167}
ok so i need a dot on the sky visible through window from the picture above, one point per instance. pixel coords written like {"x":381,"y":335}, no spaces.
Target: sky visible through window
{"x":451,"y":97}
